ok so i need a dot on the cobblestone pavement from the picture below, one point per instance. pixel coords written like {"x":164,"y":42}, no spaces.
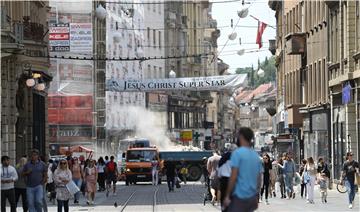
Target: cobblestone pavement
{"x":140,"y":198}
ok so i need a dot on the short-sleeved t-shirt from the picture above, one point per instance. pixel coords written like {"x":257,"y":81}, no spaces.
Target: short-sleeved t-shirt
{"x":349,"y":170}
{"x":249,"y":166}
{"x":36,"y":176}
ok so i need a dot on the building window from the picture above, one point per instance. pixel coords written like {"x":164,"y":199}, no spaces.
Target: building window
{"x":148,"y":72}
{"x":155,"y":72}
{"x":159,"y":8}
{"x":161,"y":74}
{"x":154,"y":37}
{"x":148,"y":35}
{"x":154,"y":8}
{"x":160,"y":39}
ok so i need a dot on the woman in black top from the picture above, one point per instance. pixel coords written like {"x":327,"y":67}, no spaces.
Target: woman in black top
{"x":266,"y":179}
{"x":301,"y":171}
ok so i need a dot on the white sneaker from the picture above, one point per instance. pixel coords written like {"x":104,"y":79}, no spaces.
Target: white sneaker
{"x":267,"y":202}
{"x":350,"y":206}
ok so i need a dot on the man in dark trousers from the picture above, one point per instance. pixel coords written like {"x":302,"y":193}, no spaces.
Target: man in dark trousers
{"x":170,"y":174}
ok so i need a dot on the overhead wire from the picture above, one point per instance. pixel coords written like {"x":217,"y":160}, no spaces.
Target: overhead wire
{"x":166,"y":2}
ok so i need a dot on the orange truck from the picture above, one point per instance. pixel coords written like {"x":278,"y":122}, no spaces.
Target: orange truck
{"x":138,"y":164}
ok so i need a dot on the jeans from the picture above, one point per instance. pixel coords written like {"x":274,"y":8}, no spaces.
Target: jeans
{"x":265,"y":188}
{"x":224,"y":181}
{"x":246,"y":205}
{"x":170,"y":182}
{"x":289,"y":183}
{"x":351,"y":190}
{"x":10,"y":195}
{"x":62,"y":203}
{"x":78,"y":183}
{"x":35,"y":196}
{"x":44,"y":206}
{"x":155,"y":176}
{"x":21,"y":192}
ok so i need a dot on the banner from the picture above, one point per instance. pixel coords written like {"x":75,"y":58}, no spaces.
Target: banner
{"x":170,"y":84}
{"x":59,"y":38}
{"x":81,"y":37}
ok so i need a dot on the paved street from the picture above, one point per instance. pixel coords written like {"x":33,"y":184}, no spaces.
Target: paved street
{"x":189,"y":197}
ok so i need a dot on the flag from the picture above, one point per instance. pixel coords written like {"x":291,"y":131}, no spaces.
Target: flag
{"x":261,"y":29}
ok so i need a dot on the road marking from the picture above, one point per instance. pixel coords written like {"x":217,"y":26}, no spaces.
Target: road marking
{"x":127,"y":201}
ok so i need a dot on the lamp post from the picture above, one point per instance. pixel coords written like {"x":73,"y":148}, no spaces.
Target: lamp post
{"x":172,"y":74}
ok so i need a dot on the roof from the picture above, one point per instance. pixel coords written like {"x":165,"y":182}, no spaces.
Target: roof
{"x":247,"y":96}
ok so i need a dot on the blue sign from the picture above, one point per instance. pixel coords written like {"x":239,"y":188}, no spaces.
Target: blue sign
{"x":346,"y":94}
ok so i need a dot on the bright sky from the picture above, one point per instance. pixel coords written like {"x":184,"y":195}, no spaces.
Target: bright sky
{"x":224,"y":12}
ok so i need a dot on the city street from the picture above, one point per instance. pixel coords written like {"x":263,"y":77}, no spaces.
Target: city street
{"x":141,"y":198}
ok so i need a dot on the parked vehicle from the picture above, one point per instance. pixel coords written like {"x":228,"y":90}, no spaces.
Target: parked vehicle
{"x":193,"y":160}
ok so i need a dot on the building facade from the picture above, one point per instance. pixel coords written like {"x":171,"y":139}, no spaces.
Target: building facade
{"x":24,"y":52}
{"x":124,"y":39}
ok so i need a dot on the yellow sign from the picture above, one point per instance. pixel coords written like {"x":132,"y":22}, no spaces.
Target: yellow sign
{"x":186,"y":135}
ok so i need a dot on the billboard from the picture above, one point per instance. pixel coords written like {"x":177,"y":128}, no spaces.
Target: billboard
{"x":59,"y":38}
{"x":81,"y":37}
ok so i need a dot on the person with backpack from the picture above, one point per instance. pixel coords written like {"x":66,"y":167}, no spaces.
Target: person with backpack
{"x":111,"y":175}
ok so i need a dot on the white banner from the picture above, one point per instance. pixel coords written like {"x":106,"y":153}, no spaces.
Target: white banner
{"x":170,"y":84}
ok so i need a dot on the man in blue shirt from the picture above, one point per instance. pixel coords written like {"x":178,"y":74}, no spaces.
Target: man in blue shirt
{"x":245,"y":179}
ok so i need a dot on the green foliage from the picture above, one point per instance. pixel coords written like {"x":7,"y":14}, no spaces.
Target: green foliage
{"x":268,"y":65}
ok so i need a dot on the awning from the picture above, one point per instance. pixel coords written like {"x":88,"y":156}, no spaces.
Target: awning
{"x":79,"y":148}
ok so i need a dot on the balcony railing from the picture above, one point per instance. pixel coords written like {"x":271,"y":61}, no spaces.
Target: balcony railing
{"x":33,"y":31}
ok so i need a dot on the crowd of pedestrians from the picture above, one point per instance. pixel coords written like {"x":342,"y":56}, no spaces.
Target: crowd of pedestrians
{"x":35,"y":180}
{"x":241,"y":179}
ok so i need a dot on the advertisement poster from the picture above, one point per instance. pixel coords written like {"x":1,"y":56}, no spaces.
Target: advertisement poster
{"x":59,"y":38}
{"x":81,"y":37}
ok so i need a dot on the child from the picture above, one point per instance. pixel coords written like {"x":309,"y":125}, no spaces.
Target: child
{"x":323,"y":187}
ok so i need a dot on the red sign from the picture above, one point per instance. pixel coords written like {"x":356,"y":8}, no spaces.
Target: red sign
{"x":70,"y":116}
{"x":75,"y":110}
{"x":59,"y":36}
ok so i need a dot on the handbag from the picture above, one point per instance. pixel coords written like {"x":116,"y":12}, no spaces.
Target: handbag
{"x":357,"y":179}
{"x":72,"y":187}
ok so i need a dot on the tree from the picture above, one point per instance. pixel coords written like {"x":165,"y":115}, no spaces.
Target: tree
{"x":268,"y":65}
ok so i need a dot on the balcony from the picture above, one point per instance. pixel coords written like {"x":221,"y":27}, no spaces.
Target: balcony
{"x":33,"y":31}
{"x":296,"y":43}
{"x":12,"y":33}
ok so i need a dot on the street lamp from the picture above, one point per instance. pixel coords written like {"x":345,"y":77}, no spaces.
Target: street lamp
{"x":100,"y":12}
{"x":172,"y":74}
{"x":243,"y":13}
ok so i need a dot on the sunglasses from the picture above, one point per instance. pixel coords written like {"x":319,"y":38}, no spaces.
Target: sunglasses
{"x":63,"y":163}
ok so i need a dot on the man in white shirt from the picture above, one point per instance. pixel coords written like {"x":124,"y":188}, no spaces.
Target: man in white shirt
{"x":8,"y":177}
{"x":212,"y":166}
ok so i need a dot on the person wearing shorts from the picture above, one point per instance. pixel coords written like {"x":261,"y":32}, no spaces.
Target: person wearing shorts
{"x":111,"y":175}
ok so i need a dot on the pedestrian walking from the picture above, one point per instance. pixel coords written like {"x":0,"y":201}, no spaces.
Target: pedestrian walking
{"x":273,"y":179}
{"x":301,"y":172}
{"x":91,"y":179}
{"x":183,"y":170}
{"x":62,"y":176}
{"x":111,"y":175}
{"x":106,"y":159}
{"x":212,"y":165}
{"x":20,"y":185}
{"x":8,"y":177}
{"x":244,"y":182}
{"x":310,"y":179}
{"x":350,"y":168}
{"x":169,"y":167}
{"x":36,"y":177}
{"x":50,"y":186}
{"x":267,"y":166}
{"x":77,"y":177}
{"x":323,"y":187}
{"x":155,"y":171}
{"x":101,"y":173}
{"x":205,"y":172}
{"x":289,"y":174}
{"x":224,"y":172}
{"x":280,"y":178}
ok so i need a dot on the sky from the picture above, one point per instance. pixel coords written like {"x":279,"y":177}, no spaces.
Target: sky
{"x":224,"y":12}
